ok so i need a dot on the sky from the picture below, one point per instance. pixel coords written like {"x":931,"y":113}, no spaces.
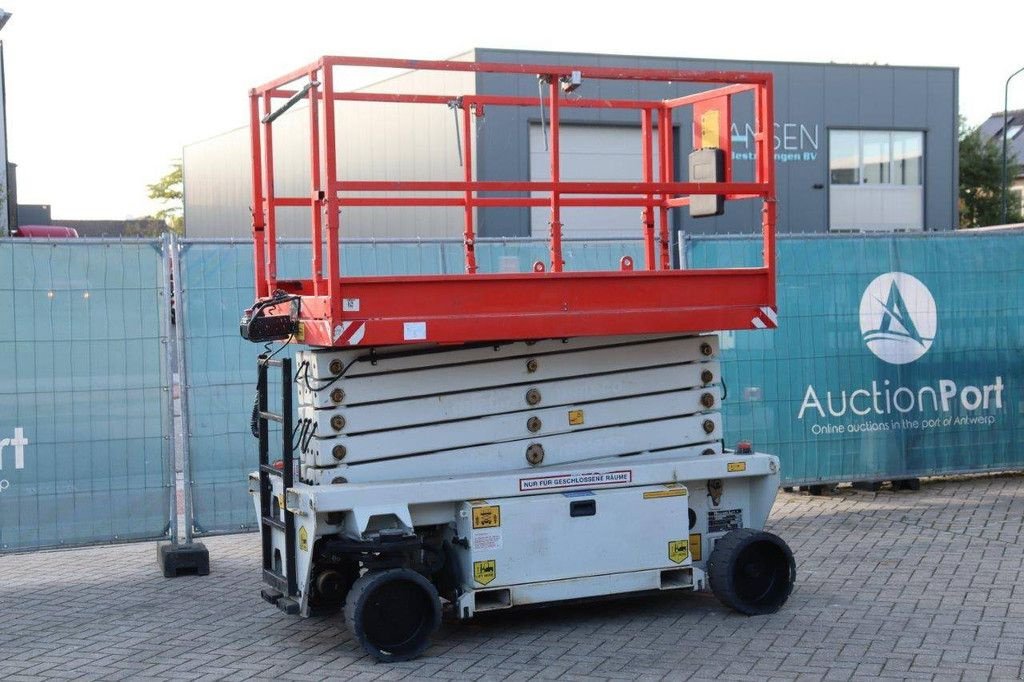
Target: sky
{"x":103,"y":95}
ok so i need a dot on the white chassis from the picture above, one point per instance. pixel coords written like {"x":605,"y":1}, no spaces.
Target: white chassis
{"x":749,"y":483}
{"x":515,"y":474}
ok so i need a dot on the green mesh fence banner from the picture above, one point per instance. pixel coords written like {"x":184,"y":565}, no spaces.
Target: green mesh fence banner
{"x":895,"y":357}
{"x":84,"y":421}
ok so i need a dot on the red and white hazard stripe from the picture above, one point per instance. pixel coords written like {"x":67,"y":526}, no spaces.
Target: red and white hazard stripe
{"x":766,"y":318}
{"x":350,"y":332}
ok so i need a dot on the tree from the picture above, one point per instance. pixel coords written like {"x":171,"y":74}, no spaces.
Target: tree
{"x":170,"y":191}
{"x":981,"y":180}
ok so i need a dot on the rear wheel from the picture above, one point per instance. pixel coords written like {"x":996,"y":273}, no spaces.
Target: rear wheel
{"x":392,"y":613}
{"x":752,"y":571}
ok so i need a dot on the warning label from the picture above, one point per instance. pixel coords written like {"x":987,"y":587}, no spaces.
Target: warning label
{"x":486,"y":539}
{"x":696,"y":547}
{"x":575,"y":480}
{"x":733,"y":467}
{"x":678,"y":550}
{"x":725,"y":520}
{"x":575,"y":417}
{"x":487,"y":517}
{"x":671,"y":490}
{"x":303,"y":539}
{"x":484,"y":572}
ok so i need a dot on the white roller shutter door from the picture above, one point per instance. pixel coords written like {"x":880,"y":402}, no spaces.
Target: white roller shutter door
{"x":591,"y":153}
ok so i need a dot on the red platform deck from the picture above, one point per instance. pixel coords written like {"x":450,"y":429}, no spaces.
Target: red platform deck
{"x":338,"y":310}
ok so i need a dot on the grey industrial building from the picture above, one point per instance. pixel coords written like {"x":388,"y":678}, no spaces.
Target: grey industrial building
{"x":857,"y":147}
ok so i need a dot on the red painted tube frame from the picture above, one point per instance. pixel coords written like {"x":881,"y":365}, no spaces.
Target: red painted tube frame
{"x":736,"y":293}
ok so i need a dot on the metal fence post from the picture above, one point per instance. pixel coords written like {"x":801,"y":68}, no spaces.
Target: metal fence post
{"x":179,"y":334}
{"x":186,"y":558}
{"x":167,"y":342}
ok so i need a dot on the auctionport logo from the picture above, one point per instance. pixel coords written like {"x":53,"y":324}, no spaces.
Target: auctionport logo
{"x":898,"y":318}
{"x":898,"y":322}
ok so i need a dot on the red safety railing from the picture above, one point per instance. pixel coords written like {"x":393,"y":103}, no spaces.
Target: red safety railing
{"x":337,"y":310}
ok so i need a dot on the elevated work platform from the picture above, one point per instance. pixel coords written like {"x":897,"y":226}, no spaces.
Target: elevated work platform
{"x":332,"y":309}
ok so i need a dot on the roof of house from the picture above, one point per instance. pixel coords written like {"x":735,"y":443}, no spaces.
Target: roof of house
{"x":992,"y":129}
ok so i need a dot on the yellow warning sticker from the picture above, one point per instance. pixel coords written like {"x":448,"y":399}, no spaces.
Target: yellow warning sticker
{"x":303,"y":539}
{"x":484,"y":572}
{"x":695,"y":546}
{"x":678,"y":550}
{"x":575,"y":417}
{"x":671,"y":490}
{"x":487,"y":517}
{"x":736,"y":466}
{"x":709,"y":127}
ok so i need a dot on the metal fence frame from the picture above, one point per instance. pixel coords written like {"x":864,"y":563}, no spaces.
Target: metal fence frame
{"x":175,"y":354}
{"x":161,"y":244}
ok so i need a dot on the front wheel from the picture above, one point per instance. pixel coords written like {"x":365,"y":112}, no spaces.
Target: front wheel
{"x":752,"y":571}
{"x":392,"y":613}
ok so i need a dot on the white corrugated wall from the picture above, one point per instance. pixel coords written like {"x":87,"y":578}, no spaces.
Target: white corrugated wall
{"x":374,"y":141}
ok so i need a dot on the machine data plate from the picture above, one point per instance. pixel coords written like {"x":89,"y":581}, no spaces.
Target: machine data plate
{"x":724,"y":520}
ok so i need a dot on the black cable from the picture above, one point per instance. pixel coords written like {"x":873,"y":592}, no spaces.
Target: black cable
{"x":254,"y":418}
{"x":280,"y":348}
{"x":332,"y":380}
{"x":304,"y":423}
{"x":277,"y":298}
{"x":309,"y":438}
{"x":298,"y":370}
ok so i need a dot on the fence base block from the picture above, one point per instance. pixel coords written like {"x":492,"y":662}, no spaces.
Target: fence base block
{"x":177,"y":560}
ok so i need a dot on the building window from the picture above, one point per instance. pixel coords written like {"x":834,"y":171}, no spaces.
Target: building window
{"x":844,"y":157}
{"x":876,"y":157}
{"x":876,"y":180}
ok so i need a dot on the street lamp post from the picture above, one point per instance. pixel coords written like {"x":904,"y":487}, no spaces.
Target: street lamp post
{"x":1006,"y":101}
{"x":8,"y":209}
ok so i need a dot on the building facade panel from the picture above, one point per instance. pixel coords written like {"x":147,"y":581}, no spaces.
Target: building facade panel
{"x":810,"y":99}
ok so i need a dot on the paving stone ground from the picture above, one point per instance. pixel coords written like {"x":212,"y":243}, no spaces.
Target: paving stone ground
{"x":907,"y":585}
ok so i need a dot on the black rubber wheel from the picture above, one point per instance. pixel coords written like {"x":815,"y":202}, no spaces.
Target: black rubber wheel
{"x":392,"y":613}
{"x":752,"y":571}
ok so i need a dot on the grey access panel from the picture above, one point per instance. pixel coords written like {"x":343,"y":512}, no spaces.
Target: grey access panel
{"x":536,"y":538}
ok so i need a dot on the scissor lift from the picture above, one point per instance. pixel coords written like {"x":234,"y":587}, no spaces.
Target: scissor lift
{"x":483,"y":441}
